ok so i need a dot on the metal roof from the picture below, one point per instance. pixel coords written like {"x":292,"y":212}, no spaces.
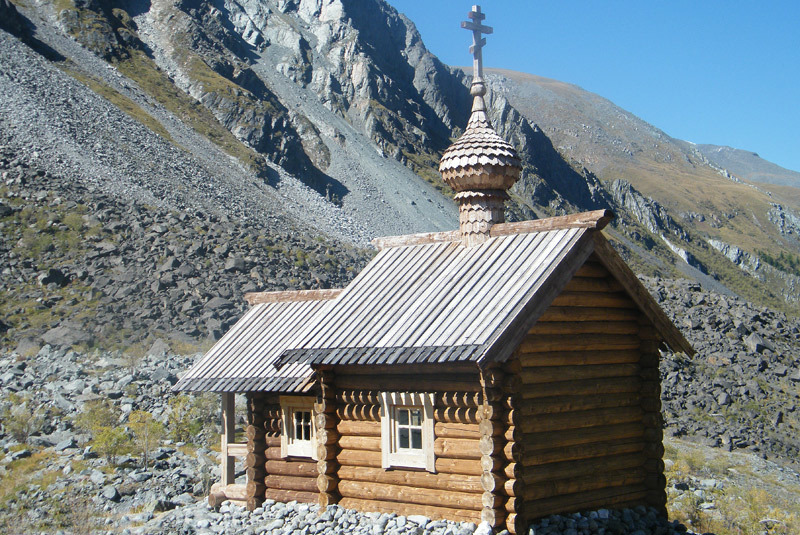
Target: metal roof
{"x":243,"y":359}
{"x":437,"y":302}
{"x":425,"y":303}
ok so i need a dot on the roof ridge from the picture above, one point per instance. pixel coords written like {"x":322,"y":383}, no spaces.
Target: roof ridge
{"x":257,"y":298}
{"x":595,"y":220}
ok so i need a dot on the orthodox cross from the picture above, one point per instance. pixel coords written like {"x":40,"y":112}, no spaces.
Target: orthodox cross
{"x":478,"y":42}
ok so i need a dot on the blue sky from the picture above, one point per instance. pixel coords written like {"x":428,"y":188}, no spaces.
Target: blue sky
{"x":726,"y":73}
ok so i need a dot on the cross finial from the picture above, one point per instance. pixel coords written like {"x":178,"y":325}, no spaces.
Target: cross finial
{"x":478,"y":42}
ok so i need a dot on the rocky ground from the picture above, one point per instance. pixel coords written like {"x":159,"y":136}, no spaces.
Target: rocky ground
{"x":83,"y":267}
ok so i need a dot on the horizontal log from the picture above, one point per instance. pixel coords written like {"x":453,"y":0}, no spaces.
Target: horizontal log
{"x":359,"y":412}
{"x":593,"y":300}
{"x":593,"y":284}
{"x":456,"y":448}
{"x":584,"y":451}
{"x":254,"y":460}
{"x":327,"y":437}
{"x":592,"y":268}
{"x":255,"y":446}
{"x":491,"y":445}
{"x":586,"y":342}
{"x":515,"y":524}
{"x":558,"y":404}
{"x":292,"y":468}
{"x":594,"y":499}
{"x":324,"y":420}
{"x":254,"y":433}
{"x":326,"y":452}
{"x":575,"y":437}
{"x":490,"y":428}
{"x":273,"y":453}
{"x":514,"y":451}
{"x":272,"y":442}
{"x":403,"y":494}
{"x":232,"y":492}
{"x":577,"y":358}
{"x":406,"y":509}
{"x":395,"y":370}
{"x":493,"y":463}
{"x":304,"y":484}
{"x":456,"y":415}
{"x":362,"y":428}
{"x":368,"y":443}
{"x":494,"y":517}
{"x":442,"y":466}
{"x":585,"y":387}
{"x":491,"y":501}
{"x":237,"y":449}
{"x":533,"y":475}
{"x":550,"y":374}
{"x":282,"y":495}
{"x":255,"y":474}
{"x":558,"y":487}
{"x":513,"y":488}
{"x":411,"y":478}
{"x":492,"y":482}
{"x":410,"y":383}
{"x":255,"y":489}
{"x":327,"y":484}
{"x":456,"y":430}
{"x":581,"y":419}
{"x":584,"y":327}
{"x":588,"y":313}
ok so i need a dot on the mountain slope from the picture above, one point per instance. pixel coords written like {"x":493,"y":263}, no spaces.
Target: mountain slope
{"x":326,"y":114}
{"x":749,"y":165}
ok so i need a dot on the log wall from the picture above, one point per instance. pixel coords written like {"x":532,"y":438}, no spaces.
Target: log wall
{"x":454,"y":492}
{"x":270,"y":476}
{"x":584,"y":420}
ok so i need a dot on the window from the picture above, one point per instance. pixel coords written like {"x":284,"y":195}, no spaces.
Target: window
{"x":407,"y":430}
{"x":298,"y":438}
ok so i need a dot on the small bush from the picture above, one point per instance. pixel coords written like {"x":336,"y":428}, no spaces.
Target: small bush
{"x":147,"y":432}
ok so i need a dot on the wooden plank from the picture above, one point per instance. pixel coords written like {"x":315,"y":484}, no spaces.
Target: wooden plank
{"x":551,"y":374}
{"x":436,"y":512}
{"x":255,"y":298}
{"x":620,"y":270}
{"x":411,"y":495}
{"x":228,"y":433}
{"x":596,"y":220}
{"x":412,"y":478}
{"x":238,"y":449}
{"x":585,"y":342}
{"x":593,"y":284}
{"x":422,"y":238}
{"x":577,"y":314}
{"x":592,"y":269}
{"x":534,"y":475}
{"x":584,"y":327}
{"x":588,"y":387}
{"x":292,"y":468}
{"x":581,"y":419}
{"x":594,"y":300}
{"x":612,"y":446}
{"x":304,"y":484}
{"x":580,"y":437}
{"x":558,"y":404}
{"x":627,"y":495}
{"x":578,"y":358}
{"x":281,"y":495}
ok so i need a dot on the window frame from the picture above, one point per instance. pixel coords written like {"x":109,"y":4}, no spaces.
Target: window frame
{"x":391,"y":455}
{"x":290,"y":445}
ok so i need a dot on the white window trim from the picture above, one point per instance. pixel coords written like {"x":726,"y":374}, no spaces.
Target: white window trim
{"x":289,"y":446}
{"x":394,"y":459}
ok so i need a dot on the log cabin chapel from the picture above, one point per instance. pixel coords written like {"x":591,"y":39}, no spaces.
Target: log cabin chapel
{"x":499,"y":373}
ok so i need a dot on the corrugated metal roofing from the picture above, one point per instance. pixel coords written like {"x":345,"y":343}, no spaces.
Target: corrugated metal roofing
{"x":427,"y":303}
{"x":243,"y":359}
{"x":435,"y":302}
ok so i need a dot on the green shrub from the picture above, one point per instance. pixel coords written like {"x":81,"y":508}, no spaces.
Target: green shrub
{"x":147,"y":432}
